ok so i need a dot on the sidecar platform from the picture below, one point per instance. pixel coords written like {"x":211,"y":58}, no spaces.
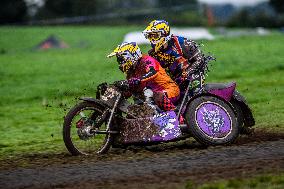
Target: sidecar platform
{"x":160,"y":128}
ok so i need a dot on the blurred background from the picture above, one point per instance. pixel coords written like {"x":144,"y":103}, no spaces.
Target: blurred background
{"x":232,"y":13}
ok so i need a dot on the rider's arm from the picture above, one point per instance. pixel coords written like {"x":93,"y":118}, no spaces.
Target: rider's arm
{"x":193,"y":54}
{"x":181,"y":67}
{"x":151,"y":69}
{"x":151,"y":74}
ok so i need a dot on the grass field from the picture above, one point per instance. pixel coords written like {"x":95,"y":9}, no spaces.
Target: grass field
{"x":37,"y":87}
{"x":258,"y":182}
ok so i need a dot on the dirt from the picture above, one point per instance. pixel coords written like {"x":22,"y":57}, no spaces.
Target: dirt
{"x":161,"y":166}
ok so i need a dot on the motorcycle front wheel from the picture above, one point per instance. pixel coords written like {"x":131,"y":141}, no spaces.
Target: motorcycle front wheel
{"x":212,"y":121}
{"x":84,"y":129}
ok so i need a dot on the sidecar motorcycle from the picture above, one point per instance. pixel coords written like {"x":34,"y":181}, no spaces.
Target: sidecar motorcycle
{"x":214,"y":117}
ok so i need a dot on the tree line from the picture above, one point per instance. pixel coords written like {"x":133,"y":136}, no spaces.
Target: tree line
{"x":19,"y":12}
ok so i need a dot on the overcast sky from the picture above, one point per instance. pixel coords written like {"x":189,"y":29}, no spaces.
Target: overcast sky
{"x":235,"y":2}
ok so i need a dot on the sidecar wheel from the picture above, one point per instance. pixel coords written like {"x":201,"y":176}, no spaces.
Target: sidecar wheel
{"x":212,"y":121}
{"x":75,"y":130}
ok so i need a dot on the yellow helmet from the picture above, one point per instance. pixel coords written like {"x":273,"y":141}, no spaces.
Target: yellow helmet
{"x":158,"y":33}
{"x":127,"y":55}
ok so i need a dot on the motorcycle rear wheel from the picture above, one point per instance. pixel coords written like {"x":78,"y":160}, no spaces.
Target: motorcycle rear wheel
{"x":76,"y":124}
{"x":212,"y":121}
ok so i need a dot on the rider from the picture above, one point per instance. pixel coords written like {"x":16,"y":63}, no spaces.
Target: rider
{"x":180,"y":57}
{"x":144,"y":71}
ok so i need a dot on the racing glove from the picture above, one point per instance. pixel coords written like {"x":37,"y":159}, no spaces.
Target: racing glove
{"x":122,"y":85}
{"x":133,"y":82}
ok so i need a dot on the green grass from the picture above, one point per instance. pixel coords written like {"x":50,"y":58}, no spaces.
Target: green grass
{"x":37,"y":87}
{"x":267,"y":181}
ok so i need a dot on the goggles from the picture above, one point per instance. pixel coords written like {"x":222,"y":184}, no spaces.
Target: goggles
{"x":123,"y":63}
{"x":120,"y":59}
{"x":153,"y":36}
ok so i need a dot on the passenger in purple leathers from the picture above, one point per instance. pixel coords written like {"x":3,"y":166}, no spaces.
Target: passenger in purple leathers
{"x":180,"y":57}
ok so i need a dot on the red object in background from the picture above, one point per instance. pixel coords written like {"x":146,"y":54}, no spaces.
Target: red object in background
{"x":46,"y":45}
{"x":210,"y":16}
{"x":52,"y":42}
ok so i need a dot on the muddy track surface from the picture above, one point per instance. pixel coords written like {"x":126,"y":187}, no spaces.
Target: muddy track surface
{"x":161,"y":166}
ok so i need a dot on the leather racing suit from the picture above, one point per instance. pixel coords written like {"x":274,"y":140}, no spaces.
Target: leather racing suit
{"x":182,"y":59}
{"x":149,"y":73}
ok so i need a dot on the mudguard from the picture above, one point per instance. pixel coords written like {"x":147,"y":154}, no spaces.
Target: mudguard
{"x":246,"y":111}
{"x":236,"y":100}
{"x":222,"y":90}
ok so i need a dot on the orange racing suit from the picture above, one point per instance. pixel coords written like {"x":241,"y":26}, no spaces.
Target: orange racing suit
{"x":149,"y":73}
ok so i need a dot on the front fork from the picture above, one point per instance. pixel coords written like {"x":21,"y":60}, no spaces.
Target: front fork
{"x":195,"y":86}
{"x":112,"y":111}
{"x":108,"y":131}
{"x":94,"y":127}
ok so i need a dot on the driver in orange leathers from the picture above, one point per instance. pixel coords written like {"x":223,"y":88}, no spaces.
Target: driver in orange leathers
{"x":143,"y":71}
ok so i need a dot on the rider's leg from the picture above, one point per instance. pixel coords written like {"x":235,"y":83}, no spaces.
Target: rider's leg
{"x":165,"y":103}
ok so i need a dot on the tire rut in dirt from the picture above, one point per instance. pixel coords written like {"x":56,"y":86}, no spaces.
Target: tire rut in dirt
{"x":201,"y":164}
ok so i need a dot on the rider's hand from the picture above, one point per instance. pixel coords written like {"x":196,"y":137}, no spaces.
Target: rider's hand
{"x":184,"y":76}
{"x":122,"y":84}
{"x":133,"y":82}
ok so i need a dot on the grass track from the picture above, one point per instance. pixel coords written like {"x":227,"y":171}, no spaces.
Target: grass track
{"x":267,"y":181}
{"x":37,"y":87}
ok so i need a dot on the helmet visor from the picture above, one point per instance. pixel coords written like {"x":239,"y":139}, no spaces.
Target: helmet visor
{"x":120,"y":59}
{"x":124,"y":64}
{"x":153,"y":36}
